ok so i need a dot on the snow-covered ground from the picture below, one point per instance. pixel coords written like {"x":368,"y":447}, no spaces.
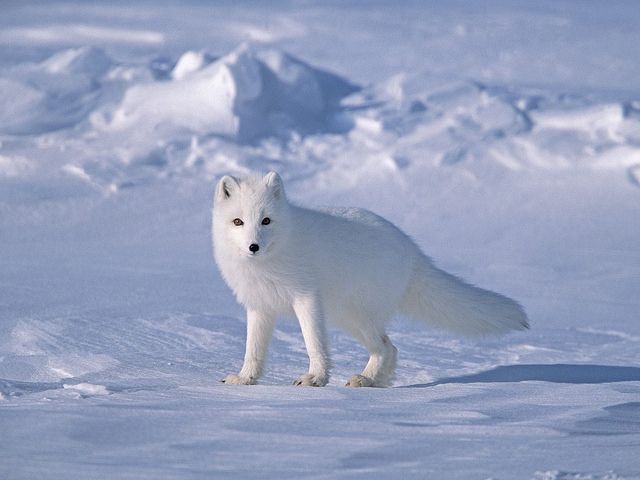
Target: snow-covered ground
{"x":503,"y":136}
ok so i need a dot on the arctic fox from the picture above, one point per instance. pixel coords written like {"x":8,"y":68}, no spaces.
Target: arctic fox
{"x":347,"y":265}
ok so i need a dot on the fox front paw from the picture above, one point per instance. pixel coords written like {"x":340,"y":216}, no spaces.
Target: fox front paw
{"x":359,"y":381}
{"x":309,"y":380}
{"x":233,"y":379}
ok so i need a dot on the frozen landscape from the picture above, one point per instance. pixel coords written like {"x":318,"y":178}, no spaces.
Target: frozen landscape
{"x":504,"y":137}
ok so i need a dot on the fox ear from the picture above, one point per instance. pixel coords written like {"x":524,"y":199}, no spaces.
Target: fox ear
{"x":226,"y":186}
{"x":273,"y":181}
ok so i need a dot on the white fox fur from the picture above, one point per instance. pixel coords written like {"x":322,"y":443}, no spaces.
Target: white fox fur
{"x":346,"y":265}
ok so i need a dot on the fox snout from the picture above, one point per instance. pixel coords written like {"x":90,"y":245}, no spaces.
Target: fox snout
{"x":254,"y":247}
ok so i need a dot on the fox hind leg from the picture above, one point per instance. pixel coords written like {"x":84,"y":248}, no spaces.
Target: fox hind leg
{"x":380,"y":369}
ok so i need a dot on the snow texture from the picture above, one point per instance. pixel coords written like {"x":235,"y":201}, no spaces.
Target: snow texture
{"x":504,"y":137}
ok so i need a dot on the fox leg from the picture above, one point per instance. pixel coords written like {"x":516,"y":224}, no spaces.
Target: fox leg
{"x":380,"y":368}
{"x":312,"y":323}
{"x":259,"y":330}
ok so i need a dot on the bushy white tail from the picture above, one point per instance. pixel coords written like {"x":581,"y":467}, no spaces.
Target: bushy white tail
{"x":448,"y":302}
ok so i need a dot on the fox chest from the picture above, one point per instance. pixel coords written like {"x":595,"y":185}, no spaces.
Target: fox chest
{"x":263,"y":289}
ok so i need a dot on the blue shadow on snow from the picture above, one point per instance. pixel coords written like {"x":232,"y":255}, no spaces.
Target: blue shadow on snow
{"x":554,"y":373}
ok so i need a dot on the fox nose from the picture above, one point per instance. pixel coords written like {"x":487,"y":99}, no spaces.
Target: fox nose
{"x":254,"y":247}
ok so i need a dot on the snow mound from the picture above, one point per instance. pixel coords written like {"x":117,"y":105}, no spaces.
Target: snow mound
{"x":54,"y":94}
{"x":87,"y":389}
{"x":247,"y":94}
{"x":84,"y":60}
{"x":20,"y":106}
{"x":190,"y":62}
{"x":490,"y":129}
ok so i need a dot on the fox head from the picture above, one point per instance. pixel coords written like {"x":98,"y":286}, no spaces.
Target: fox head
{"x":250,"y":215}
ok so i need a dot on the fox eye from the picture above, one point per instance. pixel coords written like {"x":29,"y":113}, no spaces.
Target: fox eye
{"x":237,"y":222}
{"x":266,"y":221}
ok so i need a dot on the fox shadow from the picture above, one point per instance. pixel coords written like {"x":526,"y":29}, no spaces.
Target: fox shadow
{"x":553,"y":373}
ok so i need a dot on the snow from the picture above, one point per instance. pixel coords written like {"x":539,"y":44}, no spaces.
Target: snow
{"x":244,"y":95}
{"x":503,"y":136}
{"x":86,"y":389}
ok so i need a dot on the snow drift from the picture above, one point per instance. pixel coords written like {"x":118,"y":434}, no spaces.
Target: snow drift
{"x":244,"y":95}
{"x":54,"y":94}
